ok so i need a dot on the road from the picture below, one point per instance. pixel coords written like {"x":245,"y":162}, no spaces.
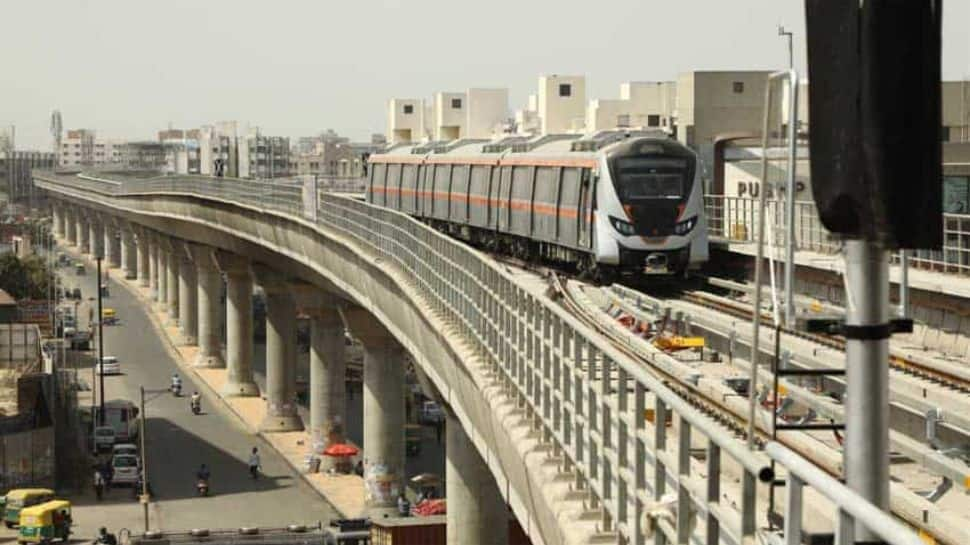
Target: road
{"x":178,"y":442}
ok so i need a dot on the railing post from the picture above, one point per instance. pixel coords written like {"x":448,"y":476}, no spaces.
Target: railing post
{"x":793,"y":510}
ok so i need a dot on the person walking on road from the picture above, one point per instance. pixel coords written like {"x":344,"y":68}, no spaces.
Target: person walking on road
{"x":98,"y":484}
{"x":254,"y":463}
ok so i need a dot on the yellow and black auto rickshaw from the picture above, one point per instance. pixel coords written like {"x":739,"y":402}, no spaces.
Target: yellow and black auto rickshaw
{"x":45,"y":522}
{"x":20,"y":498}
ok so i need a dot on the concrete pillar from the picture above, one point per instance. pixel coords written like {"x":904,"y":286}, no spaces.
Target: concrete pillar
{"x":71,"y":226}
{"x":209,"y":305}
{"x":328,"y":370}
{"x":187,"y":301}
{"x":173,"y":259}
{"x":96,"y":238}
{"x":57,"y":218}
{"x":281,"y":410}
{"x":384,"y":412}
{"x":477,"y":514}
{"x":129,"y":257}
{"x":152,"y":265}
{"x":112,"y":243}
{"x":83,"y":242}
{"x":144,"y":257}
{"x":161,"y":270}
{"x":239,"y":321}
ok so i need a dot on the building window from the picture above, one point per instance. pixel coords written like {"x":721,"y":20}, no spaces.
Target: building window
{"x":565,"y":90}
{"x":738,"y":86}
{"x":408,"y":109}
{"x":456,"y":103}
{"x":945,"y":133}
{"x":653,"y":120}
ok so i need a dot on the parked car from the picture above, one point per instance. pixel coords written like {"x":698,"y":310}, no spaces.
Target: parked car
{"x":104,"y":438}
{"x":124,"y":448}
{"x":125,"y":469}
{"x":109,"y":365}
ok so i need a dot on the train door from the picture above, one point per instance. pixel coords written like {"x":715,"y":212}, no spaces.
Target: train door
{"x":586,"y":196}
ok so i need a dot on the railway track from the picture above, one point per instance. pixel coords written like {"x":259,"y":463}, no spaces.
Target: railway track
{"x":896,"y":362}
{"x":936,"y":527}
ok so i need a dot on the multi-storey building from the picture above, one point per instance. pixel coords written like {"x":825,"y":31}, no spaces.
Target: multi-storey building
{"x":82,"y":148}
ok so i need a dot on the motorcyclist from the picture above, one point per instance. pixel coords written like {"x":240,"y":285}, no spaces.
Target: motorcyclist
{"x":203,"y":473}
{"x":104,"y":538}
{"x":196,"y":402}
{"x":176,"y":383}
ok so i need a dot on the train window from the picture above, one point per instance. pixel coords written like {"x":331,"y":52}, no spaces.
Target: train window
{"x":650,"y":178}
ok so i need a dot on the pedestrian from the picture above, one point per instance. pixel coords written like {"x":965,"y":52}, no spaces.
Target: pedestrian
{"x":254,"y":464}
{"x":98,"y":484}
{"x":359,"y":468}
{"x":403,"y":506}
{"x":109,"y":473}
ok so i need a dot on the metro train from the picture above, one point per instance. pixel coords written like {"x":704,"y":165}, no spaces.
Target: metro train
{"x":607,"y":204}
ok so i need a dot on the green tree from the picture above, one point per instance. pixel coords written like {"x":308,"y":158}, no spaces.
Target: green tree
{"x":26,"y":278}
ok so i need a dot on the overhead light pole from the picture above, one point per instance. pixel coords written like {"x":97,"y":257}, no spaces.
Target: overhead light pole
{"x":791,"y":55}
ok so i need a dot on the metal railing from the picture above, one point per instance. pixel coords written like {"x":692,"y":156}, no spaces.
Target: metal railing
{"x":602,"y":413}
{"x":734,"y":219}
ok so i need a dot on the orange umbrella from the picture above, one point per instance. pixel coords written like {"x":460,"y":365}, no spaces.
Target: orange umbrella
{"x":340,"y":450}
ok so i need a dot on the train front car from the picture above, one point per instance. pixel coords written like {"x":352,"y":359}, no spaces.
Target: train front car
{"x":650,"y":210}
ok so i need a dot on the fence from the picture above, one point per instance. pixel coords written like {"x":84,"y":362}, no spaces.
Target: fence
{"x":582,"y":396}
{"x":734,"y":219}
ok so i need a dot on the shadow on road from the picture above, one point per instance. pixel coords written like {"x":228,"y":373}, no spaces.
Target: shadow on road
{"x":174,"y":455}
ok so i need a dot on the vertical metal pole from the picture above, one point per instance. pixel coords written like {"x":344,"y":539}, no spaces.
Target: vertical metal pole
{"x":866,"y":455}
{"x":100,"y":345}
{"x":790,"y":191}
{"x":144,"y":459}
{"x":904,"y":283}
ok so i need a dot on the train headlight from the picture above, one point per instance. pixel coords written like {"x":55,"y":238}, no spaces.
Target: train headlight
{"x":685,"y":226}
{"x":623,"y":227}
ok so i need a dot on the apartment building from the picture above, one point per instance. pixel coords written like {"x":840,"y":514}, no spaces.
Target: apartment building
{"x":641,"y":105}
{"x":561,"y":104}
{"x":15,"y":171}
{"x":406,"y":120}
{"x":262,"y":156}
{"x":83,"y":148}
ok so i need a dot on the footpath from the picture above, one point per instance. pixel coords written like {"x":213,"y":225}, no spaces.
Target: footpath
{"x":344,"y":492}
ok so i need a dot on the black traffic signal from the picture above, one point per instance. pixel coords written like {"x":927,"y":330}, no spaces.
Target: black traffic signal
{"x":875,"y":135}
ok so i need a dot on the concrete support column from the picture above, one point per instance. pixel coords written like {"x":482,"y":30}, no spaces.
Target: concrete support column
{"x":57,"y":217}
{"x":152,"y":265}
{"x":71,"y":226}
{"x":143,"y":248}
{"x":161,"y":271}
{"x":239,"y":320}
{"x":209,"y":306}
{"x":83,"y":242}
{"x":96,"y":238}
{"x":477,"y":515}
{"x":281,"y":412}
{"x":129,"y":257}
{"x":188,"y":308}
{"x":173,"y":258}
{"x":328,"y":370}
{"x":112,"y":244}
{"x":384,"y":412}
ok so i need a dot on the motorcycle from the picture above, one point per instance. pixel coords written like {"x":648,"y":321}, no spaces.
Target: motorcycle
{"x":176,"y":389}
{"x":196,"y":407}
{"x":202,"y":487}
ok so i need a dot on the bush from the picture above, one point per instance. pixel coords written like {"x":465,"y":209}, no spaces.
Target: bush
{"x":26,"y":278}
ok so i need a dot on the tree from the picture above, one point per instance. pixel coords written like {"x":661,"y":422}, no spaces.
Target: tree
{"x":26,"y":278}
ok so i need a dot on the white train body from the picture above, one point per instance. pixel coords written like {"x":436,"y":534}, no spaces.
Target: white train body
{"x":610,"y":203}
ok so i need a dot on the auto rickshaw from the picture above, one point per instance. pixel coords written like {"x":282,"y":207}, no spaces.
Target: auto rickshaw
{"x":412,"y":439}
{"x":109,"y":316}
{"x":20,"y":498}
{"x":45,"y":522}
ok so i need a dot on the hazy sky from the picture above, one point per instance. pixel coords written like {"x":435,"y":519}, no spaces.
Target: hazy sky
{"x":128,"y":67}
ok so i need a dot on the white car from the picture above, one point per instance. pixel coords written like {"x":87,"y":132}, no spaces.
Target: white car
{"x":125,"y":468}
{"x":124,"y":448}
{"x":109,"y":365}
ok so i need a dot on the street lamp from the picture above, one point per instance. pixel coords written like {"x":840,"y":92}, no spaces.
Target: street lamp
{"x":788,"y":34}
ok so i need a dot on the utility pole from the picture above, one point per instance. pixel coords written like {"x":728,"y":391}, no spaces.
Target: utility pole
{"x":144,"y":460}
{"x":791,"y":55}
{"x":100,"y":344}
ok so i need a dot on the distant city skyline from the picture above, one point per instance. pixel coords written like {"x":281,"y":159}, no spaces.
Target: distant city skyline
{"x":128,"y":69}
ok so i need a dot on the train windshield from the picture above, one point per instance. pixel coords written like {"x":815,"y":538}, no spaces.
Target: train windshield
{"x":650,"y":178}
